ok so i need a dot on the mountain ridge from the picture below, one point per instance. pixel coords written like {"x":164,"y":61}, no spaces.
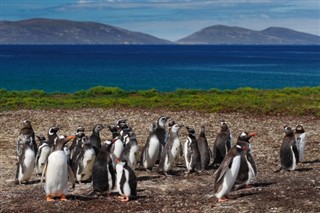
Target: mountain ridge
{"x":62,"y":31}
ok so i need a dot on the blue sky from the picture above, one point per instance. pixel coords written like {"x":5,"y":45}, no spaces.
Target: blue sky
{"x":174,"y":19}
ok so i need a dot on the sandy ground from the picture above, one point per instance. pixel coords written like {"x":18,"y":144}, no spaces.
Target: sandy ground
{"x":297,"y":191}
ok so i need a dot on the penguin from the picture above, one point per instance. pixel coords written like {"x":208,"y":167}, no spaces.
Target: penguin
{"x":95,"y":139}
{"x":191,"y":152}
{"x":26,"y":158}
{"x":289,"y":155}
{"x":85,"y":161}
{"x":51,"y":136}
{"x":118,"y":146}
{"x":76,"y":144}
{"x":301,"y":139}
{"x":228,"y":171}
{"x":150,"y":152}
{"x":43,"y":154}
{"x":222,"y":144}
{"x":161,"y":133}
{"x":204,"y":149}
{"x":126,"y":181}
{"x":56,"y":184}
{"x":248,"y":169}
{"x":103,"y":174}
{"x":130,"y":151}
{"x":171,"y":151}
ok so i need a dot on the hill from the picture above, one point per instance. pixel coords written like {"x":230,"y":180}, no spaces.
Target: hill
{"x":221,"y":34}
{"x":51,"y":31}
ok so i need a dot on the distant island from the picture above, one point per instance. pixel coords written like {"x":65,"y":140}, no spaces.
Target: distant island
{"x":52,"y":31}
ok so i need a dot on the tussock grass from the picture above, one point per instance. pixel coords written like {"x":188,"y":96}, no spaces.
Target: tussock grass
{"x":287,"y":101}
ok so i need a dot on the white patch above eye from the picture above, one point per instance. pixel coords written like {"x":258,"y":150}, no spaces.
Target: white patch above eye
{"x":243,"y":134}
{"x":238,"y":146}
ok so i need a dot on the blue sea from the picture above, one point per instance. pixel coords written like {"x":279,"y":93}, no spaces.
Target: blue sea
{"x":56,"y":68}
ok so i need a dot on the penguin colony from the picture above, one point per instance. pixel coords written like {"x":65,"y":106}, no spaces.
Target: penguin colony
{"x":110,"y":165}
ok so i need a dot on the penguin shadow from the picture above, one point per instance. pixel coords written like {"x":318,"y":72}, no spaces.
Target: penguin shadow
{"x":243,"y":194}
{"x":311,"y":162}
{"x":81,"y":197}
{"x":265,"y":184}
{"x":145,"y":178}
{"x":31,"y":182}
{"x":303,"y":169}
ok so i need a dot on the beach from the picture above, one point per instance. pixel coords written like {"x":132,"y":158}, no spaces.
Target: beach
{"x":297,"y":191}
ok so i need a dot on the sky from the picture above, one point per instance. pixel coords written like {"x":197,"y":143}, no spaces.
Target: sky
{"x":173,"y":20}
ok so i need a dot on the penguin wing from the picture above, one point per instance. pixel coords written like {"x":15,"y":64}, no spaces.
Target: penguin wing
{"x":252,"y":162}
{"x":132,"y":182}
{"x":295,"y":152}
{"x":225,"y":165}
{"x":122,"y":181}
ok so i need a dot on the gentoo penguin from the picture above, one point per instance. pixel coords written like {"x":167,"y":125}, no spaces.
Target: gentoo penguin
{"x":204,"y":149}
{"x":85,"y":161}
{"x":51,"y":136}
{"x":222,"y":144}
{"x":103,"y":173}
{"x":248,"y":169}
{"x":43,"y":154}
{"x":289,"y":155}
{"x":191,"y":151}
{"x":161,"y":133}
{"x":95,"y":139}
{"x":227,"y":172}
{"x":56,"y":184}
{"x":301,"y":139}
{"x":151,"y":149}
{"x":118,"y":145}
{"x":171,"y":151}
{"x":126,"y":181}
{"x":130,"y":151}
{"x":25,"y":147}
{"x":26,"y":158}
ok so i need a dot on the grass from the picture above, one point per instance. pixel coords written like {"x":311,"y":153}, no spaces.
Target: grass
{"x":287,"y":101}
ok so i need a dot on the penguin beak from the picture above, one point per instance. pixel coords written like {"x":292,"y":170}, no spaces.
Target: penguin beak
{"x":252,"y":134}
{"x":70,"y":137}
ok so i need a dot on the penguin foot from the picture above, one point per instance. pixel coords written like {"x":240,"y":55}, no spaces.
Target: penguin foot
{"x":223,"y":199}
{"x":249,"y":186}
{"x":124,"y":198}
{"x":49,"y":198}
{"x":63,"y":198}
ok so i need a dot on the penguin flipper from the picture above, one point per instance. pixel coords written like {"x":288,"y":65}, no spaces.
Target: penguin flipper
{"x":44,"y":171}
{"x":296,"y":152}
{"x":252,"y":162}
{"x":225,"y":165}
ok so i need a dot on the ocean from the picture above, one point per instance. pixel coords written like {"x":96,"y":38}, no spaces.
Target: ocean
{"x":56,"y":68}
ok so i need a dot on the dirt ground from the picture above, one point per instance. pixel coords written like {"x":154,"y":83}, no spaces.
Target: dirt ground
{"x":297,"y":191}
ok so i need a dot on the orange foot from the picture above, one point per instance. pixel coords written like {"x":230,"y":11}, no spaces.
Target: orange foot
{"x":49,"y":198}
{"x":63,"y":198}
{"x":223,"y":199}
{"x":124,"y":198}
{"x":249,"y":186}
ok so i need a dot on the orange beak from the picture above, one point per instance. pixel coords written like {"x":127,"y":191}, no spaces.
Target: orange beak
{"x":252,"y":134}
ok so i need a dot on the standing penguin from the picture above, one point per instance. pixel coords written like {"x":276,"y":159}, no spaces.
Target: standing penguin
{"x":85,"y":161}
{"x":248,"y":168}
{"x":171,"y":151}
{"x":57,"y":171}
{"x":118,"y":146}
{"x":227,"y":172}
{"x":43,"y":154}
{"x":95,"y":139}
{"x":301,"y":138}
{"x":130,"y":151}
{"x":75,"y":147}
{"x":26,"y":148}
{"x":151,"y":150}
{"x":204,"y":149}
{"x":103,"y":174}
{"x":161,"y":133}
{"x":222,"y":144}
{"x":191,"y":151}
{"x":26,"y":158}
{"x":289,"y":155}
{"x":126,"y":181}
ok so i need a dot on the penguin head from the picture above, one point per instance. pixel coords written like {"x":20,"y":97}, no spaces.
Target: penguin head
{"x":299,"y":129}
{"x":27,"y":124}
{"x":85,"y":140}
{"x":176,"y":127}
{"x":152,"y":127}
{"x":53,"y":130}
{"x":191,"y":131}
{"x":114,"y":131}
{"x":162,"y":121}
{"x":106,"y":145}
{"x":245,"y":136}
{"x":61,"y":141}
{"x":171,"y":124}
{"x":41,"y":138}
{"x":122,"y":124}
{"x":288,"y":130}
{"x":224,"y":125}
{"x":97,"y":128}
{"x":80,"y":132}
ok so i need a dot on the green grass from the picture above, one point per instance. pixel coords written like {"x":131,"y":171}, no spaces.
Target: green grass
{"x":287,"y":101}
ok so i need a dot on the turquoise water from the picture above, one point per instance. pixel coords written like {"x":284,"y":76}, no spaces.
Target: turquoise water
{"x":165,"y":68}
